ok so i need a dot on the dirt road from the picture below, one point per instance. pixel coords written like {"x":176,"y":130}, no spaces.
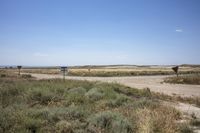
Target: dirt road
{"x":153,"y":82}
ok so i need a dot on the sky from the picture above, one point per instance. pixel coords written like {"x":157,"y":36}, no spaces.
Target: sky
{"x":99,"y":32}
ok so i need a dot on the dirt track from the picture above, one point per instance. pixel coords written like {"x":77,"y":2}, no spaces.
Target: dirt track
{"x":153,"y":82}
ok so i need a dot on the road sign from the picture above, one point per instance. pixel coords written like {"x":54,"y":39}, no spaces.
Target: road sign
{"x":64,"y":70}
{"x":175,"y":69}
{"x":19,"y":69}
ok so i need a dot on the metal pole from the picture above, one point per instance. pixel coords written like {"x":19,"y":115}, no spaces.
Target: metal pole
{"x":19,"y":69}
{"x":63,"y":69}
{"x":64,"y":74}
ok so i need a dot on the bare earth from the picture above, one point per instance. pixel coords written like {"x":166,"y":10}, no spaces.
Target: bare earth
{"x":154,"y":83}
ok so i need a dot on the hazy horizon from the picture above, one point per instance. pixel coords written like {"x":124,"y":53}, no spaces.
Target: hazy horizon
{"x":100,"y":32}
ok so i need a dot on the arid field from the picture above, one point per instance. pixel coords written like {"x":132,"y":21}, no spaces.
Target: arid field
{"x":40,"y":101}
{"x":111,"y":71}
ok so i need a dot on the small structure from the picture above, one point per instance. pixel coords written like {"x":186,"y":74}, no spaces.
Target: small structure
{"x":19,"y":69}
{"x":175,"y":69}
{"x":64,"y":70}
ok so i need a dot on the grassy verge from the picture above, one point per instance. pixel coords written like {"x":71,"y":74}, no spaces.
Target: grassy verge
{"x":28,"y":105}
{"x":124,"y":73}
{"x":187,"y":79}
{"x":107,"y":72}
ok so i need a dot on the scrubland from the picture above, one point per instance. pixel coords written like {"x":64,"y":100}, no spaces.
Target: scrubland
{"x":71,"y":106}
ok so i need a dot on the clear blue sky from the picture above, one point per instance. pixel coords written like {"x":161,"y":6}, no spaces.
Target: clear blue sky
{"x":82,"y":32}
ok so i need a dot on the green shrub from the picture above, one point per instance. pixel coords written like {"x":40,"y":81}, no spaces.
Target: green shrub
{"x":195,"y":122}
{"x":11,"y":120}
{"x":33,"y":124}
{"x":94,"y":94}
{"x":69,"y":113}
{"x":10,"y":95}
{"x":78,"y":90}
{"x":189,"y":79}
{"x":184,"y":128}
{"x":3,"y":75}
{"x":43,"y":113}
{"x":118,"y":101}
{"x":44,"y":97}
{"x":145,"y":103}
{"x":64,"y":127}
{"x":26,"y":76}
{"x":110,"y":122}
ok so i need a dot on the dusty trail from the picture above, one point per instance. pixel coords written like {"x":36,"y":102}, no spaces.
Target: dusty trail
{"x":153,"y":82}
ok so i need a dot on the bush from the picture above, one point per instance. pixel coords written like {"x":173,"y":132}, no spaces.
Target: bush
{"x":189,"y":79}
{"x":44,"y":97}
{"x":10,"y":95}
{"x":184,"y":128}
{"x":159,"y":120}
{"x":33,"y":124}
{"x":26,"y":76}
{"x":94,"y":94}
{"x":70,"y":113}
{"x":64,"y":127}
{"x":110,"y":122}
{"x":3,"y":75}
{"x":145,"y":103}
{"x":11,"y":120}
{"x":195,"y":122}
{"x":78,"y":90}
{"x":118,"y":101}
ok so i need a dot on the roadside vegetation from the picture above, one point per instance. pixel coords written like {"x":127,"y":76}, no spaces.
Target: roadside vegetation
{"x":184,"y":79}
{"x":29,"y":105}
{"x":107,"y":72}
{"x":124,"y":73}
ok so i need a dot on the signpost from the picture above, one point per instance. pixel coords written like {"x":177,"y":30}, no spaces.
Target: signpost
{"x":64,"y":70}
{"x":19,"y":69}
{"x":175,"y":69}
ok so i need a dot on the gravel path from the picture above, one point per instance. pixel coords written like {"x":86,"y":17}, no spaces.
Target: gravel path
{"x":154,"y":83}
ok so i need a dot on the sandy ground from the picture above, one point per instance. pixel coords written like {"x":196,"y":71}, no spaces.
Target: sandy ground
{"x":154,"y":83}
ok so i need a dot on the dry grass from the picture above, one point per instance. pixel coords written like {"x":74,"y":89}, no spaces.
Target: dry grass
{"x":187,"y":79}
